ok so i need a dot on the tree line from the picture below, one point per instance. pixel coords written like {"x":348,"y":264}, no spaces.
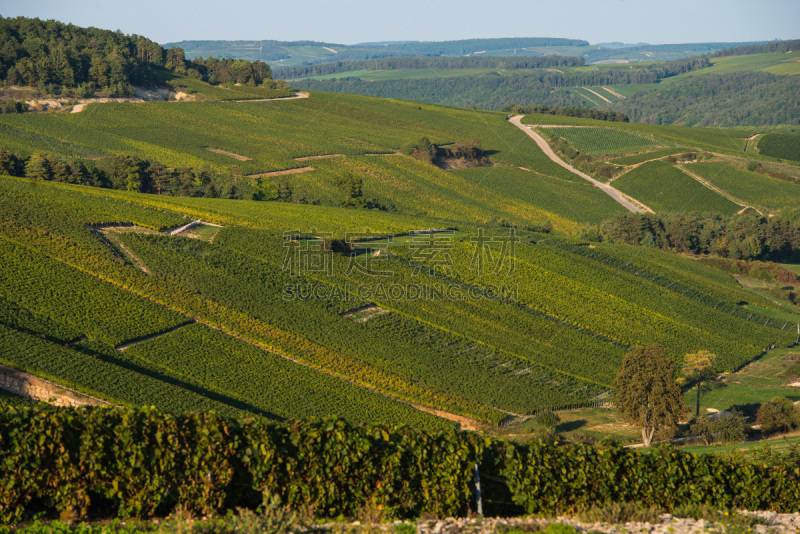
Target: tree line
{"x":741,"y":237}
{"x":777,"y":47}
{"x":56,"y":57}
{"x":431,"y":62}
{"x":131,"y":173}
{"x":127,"y":173}
{"x":569,"y":111}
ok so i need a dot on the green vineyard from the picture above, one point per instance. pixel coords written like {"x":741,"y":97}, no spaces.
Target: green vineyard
{"x":663,"y":187}
{"x":761,"y":190}
{"x":605,"y":141}
{"x":483,"y":328}
{"x":777,"y":145}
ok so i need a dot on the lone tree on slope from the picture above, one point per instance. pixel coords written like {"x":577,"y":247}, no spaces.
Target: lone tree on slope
{"x":699,"y":370}
{"x":646,"y":392}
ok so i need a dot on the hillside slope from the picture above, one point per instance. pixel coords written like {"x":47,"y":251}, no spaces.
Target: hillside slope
{"x":545,"y":326}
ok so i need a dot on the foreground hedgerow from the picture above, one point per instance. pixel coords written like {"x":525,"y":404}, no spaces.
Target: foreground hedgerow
{"x":104,"y":462}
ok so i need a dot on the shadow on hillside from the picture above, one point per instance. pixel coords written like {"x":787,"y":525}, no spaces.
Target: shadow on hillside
{"x":199,"y":390}
{"x":569,"y":426}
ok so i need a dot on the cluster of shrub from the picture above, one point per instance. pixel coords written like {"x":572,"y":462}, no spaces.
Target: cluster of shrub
{"x":467,"y":153}
{"x":777,"y":415}
{"x":14,"y":106}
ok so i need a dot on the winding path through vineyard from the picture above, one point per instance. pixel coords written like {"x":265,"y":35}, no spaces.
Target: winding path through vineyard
{"x":705,"y":183}
{"x":298,"y":95}
{"x":620,"y":198}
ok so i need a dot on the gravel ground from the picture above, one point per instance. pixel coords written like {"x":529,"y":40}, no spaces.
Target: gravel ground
{"x":774,"y":522}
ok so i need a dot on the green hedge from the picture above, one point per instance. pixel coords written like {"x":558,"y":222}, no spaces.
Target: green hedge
{"x":139,"y":462}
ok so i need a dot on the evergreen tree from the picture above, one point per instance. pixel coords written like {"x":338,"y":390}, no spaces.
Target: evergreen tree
{"x":38,"y":168}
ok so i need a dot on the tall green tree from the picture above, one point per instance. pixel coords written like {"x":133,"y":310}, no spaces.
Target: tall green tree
{"x":646,"y":391}
{"x":39,"y":168}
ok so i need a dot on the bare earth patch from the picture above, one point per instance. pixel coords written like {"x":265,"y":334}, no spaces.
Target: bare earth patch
{"x":226,"y":153}
{"x":364,"y":313}
{"x":323,"y":156}
{"x":465,"y":423}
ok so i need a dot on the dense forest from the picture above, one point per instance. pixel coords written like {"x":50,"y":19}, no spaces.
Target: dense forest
{"x":778,"y":47}
{"x":740,"y":237}
{"x":61,"y":58}
{"x":495,"y":91}
{"x":740,"y":99}
{"x":431,"y":62}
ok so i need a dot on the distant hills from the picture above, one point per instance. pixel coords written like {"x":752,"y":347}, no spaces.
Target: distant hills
{"x":752,"y":85}
{"x":292,"y":53}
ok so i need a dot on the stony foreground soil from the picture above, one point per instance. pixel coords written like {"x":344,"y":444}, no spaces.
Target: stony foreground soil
{"x":773,"y":523}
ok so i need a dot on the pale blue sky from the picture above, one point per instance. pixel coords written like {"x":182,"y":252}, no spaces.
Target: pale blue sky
{"x":353,"y":21}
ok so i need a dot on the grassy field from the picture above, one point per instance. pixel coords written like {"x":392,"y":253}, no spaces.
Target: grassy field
{"x":763,"y":447}
{"x":757,"y":383}
{"x":560,"y":198}
{"x":417,"y":188}
{"x":780,"y":145}
{"x":281,"y":388}
{"x":663,"y":187}
{"x":633,"y":88}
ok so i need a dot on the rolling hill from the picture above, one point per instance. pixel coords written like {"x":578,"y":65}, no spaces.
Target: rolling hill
{"x":290,"y":53}
{"x":647,"y":92}
{"x":476,"y":319}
